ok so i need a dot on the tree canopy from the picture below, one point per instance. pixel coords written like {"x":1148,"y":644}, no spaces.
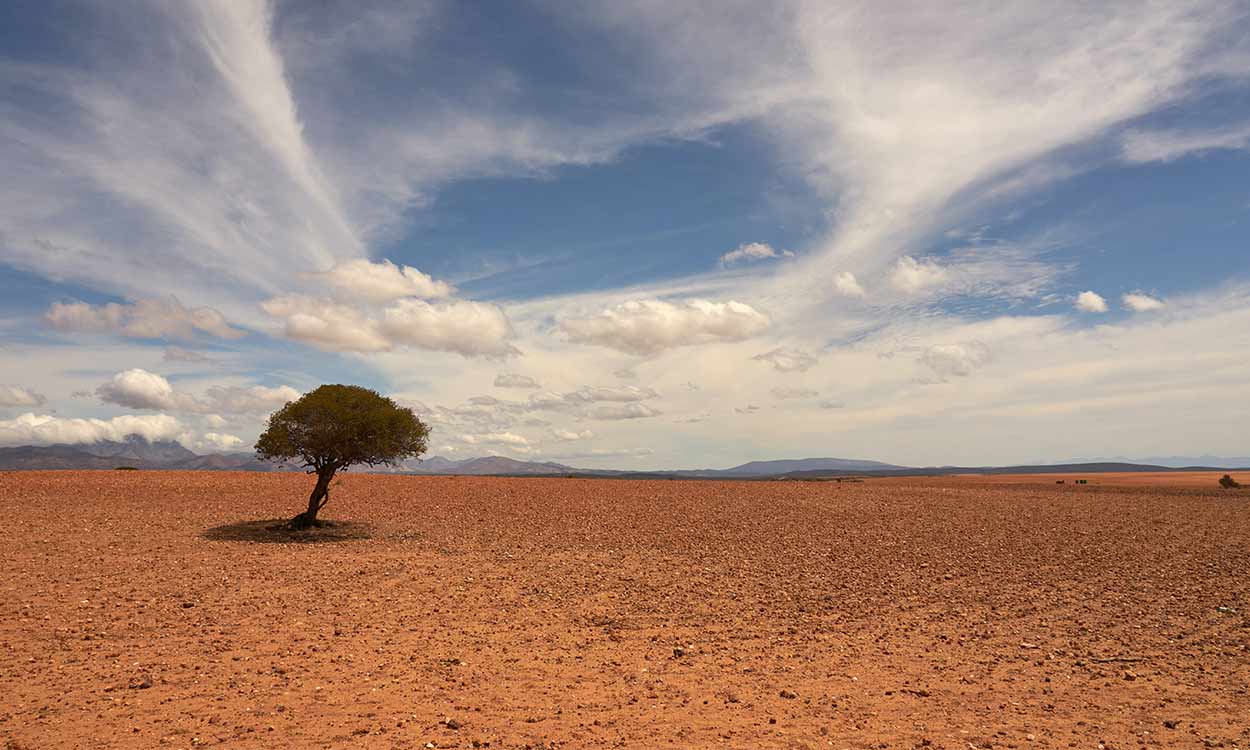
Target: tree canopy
{"x":342,"y":425}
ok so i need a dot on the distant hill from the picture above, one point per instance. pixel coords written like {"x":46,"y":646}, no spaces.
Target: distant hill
{"x":135,"y":452}
{"x":138,"y":453}
{"x":1180,"y":462}
{"x":790,"y":465}
{"x":486,"y":465}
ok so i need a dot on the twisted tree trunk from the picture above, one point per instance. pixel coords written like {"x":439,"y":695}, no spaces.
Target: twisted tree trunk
{"x":316,"y":501}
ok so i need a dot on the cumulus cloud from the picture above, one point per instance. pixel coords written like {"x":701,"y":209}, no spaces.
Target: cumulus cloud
{"x":633,"y":410}
{"x":1091,"y":302}
{"x":515,"y":380}
{"x":154,"y":318}
{"x":45,"y":429}
{"x":587,"y":394}
{"x":647,"y":327}
{"x":751,"y":252}
{"x":216,"y":442}
{"x":845,"y":283}
{"x":911,"y":275}
{"x":571,"y":435}
{"x":468,"y":328}
{"x":497,"y":438}
{"x":959,"y":360}
{"x":1140,"y":302}
{"x":788,"y":392}
{"x":381,"y":281}
{"x":787,"y":360}
{"x":16,"y":395}
{"x":471,"y":329}
{"x":327,"y":325}
{"x":139,"y":389}
{"x":547,"y":401}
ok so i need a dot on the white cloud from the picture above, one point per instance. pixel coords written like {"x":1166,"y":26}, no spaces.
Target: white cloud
{"x":468,"y":328}
{"x":1169,"y":145}
{"x":146,"y":318}
{"x":140,"y":389}
{"x":960,"y":360}
{"x":845,"y":283}
{"x":547,"y":401}
{"x":632,"y":410}
{"x":16,"y":395}
{"x":787,"y":360}
{"x":587,"y":394}
{"x":1140,"y":302}
{"x":496,"y":438}
{"x":45,"y":429}
{"x":1091,"y":302}
{"x":381,"y":281}
{"x":748,"y":409}
{"x":515,"y":380}
{"x":647,"y":327}
{"x":910,"y":275}
{"x":751,"y":252}
{"x":217,"y":442}
{"x":832,"y":404}
{"x":571,"y":435}
{"x":472,"y":329}
{"x":327,"y":325}
{"x":789,"y":392}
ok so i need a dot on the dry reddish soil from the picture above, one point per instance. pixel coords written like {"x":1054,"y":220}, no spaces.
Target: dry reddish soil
{"x":1193,"y":479}
{"x":138,"y":610}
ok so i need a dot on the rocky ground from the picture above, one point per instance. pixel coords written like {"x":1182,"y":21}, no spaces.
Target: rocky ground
{"x":144,"y":609}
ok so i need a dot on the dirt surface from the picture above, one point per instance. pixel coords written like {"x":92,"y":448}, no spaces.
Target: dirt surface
{"x":156,"y":609}
{"x":1203,"y":480}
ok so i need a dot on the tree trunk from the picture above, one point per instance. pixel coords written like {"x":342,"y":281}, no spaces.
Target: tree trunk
{"x":308,"y":518}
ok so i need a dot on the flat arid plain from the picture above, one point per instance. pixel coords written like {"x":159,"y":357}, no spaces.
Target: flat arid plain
{"x":148,"y":609}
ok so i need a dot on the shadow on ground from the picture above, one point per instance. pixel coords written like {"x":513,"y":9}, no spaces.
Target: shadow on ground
{"x":276,"y":531}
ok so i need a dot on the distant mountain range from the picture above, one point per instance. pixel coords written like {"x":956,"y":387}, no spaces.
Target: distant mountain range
{"x":136,"y":452}
{"x":133,"y":452}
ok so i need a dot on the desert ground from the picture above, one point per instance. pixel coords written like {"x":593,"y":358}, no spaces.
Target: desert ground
{"x":148,"y":609}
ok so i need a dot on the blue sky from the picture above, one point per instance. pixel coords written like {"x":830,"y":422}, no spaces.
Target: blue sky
{"x":633,"y":234}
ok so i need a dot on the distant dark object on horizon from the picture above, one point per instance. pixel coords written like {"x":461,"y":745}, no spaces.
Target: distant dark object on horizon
{"x":1228,"y":483}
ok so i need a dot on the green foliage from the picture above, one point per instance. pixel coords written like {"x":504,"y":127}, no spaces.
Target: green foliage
{"x":336,"y":426}
{"x":1228,"y":483}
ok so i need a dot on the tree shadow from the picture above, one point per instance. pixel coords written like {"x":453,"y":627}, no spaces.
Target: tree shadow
{"x":277,"y":531}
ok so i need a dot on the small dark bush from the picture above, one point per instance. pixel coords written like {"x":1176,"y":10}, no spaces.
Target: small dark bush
{"x":1228,"y":483}
{"x":125,"y":468}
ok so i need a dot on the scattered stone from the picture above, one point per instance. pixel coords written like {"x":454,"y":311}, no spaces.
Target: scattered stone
{"x":451,"y":723}
{"x":789,"y":694}
{"x":1130,"y":675}
{"x":140,"y":682}
{"x":1171,"y":723}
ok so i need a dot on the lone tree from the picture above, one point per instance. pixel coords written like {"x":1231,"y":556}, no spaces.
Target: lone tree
{"x":337,"y":426}
{"x":1228,"y":483}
